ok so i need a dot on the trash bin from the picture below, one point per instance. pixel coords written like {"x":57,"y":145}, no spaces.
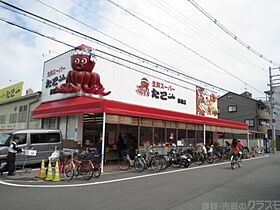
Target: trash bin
{"x":266,"y":144}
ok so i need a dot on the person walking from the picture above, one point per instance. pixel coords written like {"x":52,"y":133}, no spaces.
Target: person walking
{"x":11,"y":158}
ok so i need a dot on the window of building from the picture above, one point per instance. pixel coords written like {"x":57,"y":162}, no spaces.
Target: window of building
{"x":50,"y":123}
{"x":250,"y":123}
{"x":13,"y":118}
{"x":2,"y":119}
{"x":232,"y":108}
{"x":182,"y":134}
{"x":190,"y":138}
{"x":159,"y":136}
{"x":146,"y":136}
{"x":171,"y":136}
{"x":22,"y":115}
{"x":263,"y":122}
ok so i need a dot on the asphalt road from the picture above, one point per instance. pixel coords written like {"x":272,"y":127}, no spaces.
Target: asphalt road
{"x":254,"y":186}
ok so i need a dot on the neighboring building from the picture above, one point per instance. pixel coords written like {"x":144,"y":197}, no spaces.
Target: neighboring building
{"x":243,"y":108}
{"x":16,"y":113}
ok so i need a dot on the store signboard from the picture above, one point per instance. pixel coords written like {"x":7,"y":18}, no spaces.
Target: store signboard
{"x":11,"y":92}
{"x":206,"y":103}
{"x":120,"y":84}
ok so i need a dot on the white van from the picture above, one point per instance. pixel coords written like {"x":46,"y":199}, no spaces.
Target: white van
{"x":40,"y":142}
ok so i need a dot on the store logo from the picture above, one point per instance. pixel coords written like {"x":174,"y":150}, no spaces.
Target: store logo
{"x":82,"y":77}
{"x":143,"y":88}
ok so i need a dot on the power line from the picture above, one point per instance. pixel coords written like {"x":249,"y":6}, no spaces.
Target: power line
{"x":214,"y":20}
{"x":79,"y":34}
{"x":205,"y":34}
{"x":181,"y":44}
{"x":137,"y":50}
{"x":112,"y":47}
{"x":104,"y":58}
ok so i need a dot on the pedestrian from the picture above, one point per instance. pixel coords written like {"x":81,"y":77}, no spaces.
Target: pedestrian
{"x":11,"y":158}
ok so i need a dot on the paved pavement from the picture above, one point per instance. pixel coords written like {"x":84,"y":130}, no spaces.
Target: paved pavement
{"x":208,"y":187}
{"x":111,"y":172}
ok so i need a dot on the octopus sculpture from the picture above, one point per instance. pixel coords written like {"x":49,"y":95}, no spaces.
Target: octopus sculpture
{"x":82,"y":77}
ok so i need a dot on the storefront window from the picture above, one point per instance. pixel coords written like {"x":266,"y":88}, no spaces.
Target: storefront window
{"x":199,"y":137}
{"x":111,"y":131}
{"x":182,"y":136}
{"x":62,"y":126}
{"x":159,"y":136}
{"x":92,"y":125}
{"x":129,"y":133}
{"x":190,"y":138}
{"x":146,"y":136}
{"x":171,"y":136}
{"x":71,"y":126}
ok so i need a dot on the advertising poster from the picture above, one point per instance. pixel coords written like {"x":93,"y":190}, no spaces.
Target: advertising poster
{"x":206,"y":103}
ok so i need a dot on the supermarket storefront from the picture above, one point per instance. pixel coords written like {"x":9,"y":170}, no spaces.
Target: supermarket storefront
{"x":89,"y":105}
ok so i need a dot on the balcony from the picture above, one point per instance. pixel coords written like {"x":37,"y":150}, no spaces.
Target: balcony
{"x":263,"y":114}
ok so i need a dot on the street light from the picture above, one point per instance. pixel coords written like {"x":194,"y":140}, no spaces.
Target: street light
{"x":273,"y":82}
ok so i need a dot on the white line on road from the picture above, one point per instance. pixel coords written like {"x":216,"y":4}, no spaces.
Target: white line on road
{"x":121,"y":179}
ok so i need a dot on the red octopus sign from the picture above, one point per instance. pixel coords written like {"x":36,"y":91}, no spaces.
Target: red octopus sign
{"x":82,"y":77}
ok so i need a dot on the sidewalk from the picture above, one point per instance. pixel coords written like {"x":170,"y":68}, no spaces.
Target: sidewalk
{"x":32,"y":174}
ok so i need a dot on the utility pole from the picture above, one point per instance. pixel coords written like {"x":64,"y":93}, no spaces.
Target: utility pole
{"x":273,"y":82}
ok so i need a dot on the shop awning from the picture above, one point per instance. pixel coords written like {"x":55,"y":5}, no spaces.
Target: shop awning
{"x":85,"y":105}
{"x":68,"y":107}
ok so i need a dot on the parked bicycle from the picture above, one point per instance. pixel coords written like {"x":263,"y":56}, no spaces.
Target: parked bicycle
{"x":125,"y":162}
{"x":150,"y":159}
{"x":82,"y":164}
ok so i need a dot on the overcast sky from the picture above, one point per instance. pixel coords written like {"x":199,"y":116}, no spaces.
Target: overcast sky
{"x":178,"y":35}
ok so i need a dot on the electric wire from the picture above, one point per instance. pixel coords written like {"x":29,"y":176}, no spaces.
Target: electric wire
{"x":215,"y":21}
{"x":102,"y":57}
{"x":98,"y":41}
{"x":181,"y":44}
{"x":129,"y":46}
{"x":112,"y":47}
{"x":205,"y":34}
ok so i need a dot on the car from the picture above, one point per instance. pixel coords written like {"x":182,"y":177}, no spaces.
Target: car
{"x":37,"y":144}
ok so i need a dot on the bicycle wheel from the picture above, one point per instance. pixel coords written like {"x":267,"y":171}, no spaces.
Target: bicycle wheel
{"x":163,"y":160}
{"x":233,"y":163}
{"x":86,"y":169}
{"x":68,"y":170}
{"x":156,"y":164}
{"x":198,"y":159}
{"x":123,"y":164}
{"x":239,"y":163}
{"x":175,"y":161}
{"x":96,"y":169}
{"x":139,"y":164}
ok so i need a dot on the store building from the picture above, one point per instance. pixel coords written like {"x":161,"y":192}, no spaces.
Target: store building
{"x":88,"y":105}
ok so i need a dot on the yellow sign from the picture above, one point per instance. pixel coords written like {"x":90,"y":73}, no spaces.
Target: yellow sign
{"x":11,"y":92}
